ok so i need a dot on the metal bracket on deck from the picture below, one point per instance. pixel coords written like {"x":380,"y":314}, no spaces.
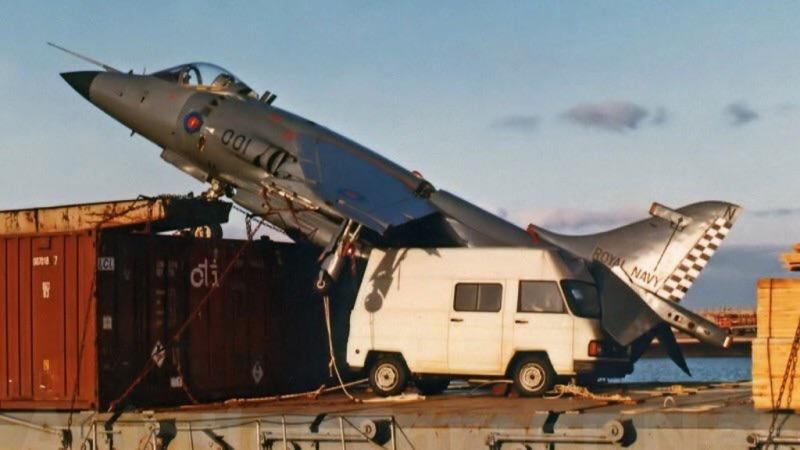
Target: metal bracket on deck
{"x":217,"y":439}
{"x":369,"y":431}
{"x":614,"y":432}
{"x":66,"y":438}
{"x":758,"y":441}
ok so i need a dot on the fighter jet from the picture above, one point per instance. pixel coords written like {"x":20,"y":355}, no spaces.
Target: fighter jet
{"x":321,"y":187}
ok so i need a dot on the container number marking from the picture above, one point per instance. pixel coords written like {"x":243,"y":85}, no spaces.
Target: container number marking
{"x":105,"y":264}
{"x":205,"y":273}
{"x":45,"y":289}
{"x":40,"y":261}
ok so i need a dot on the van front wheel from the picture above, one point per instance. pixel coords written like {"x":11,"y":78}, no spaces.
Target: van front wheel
{"x":533,"y":376}
{"x":388,"y":376}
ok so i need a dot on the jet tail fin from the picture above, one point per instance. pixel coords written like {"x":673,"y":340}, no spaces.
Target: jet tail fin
{"x":659,"y":258}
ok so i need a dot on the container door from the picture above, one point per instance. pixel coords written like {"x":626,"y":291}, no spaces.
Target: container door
{"x":541,"y":322}
{"x":475,"y":329}
{"x":48,"y":301}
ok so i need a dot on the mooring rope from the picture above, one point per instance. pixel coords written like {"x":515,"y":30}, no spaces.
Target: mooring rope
{"x":327,"y":303}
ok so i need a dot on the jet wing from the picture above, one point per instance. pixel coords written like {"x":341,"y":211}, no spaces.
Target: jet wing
{"x":360,"y":184}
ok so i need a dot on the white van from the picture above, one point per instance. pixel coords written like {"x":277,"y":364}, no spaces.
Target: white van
{"x":529,"y":314}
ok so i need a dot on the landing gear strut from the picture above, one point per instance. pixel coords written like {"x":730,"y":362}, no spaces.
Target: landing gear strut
{"x":333,"y":257}
{"x":217,"y":190}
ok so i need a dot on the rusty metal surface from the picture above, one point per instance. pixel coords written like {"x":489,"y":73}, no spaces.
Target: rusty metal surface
{"x":45,"y":296}
{"x":687,"y":417}
{"x":260,"y":333}
{"x":162,"y":213}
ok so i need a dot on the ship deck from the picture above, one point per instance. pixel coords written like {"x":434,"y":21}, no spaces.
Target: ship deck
{"x":651,"y":416}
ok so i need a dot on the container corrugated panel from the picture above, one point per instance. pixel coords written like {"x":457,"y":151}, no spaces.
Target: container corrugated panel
{"x":45,"y":298}
{"x":260,"y":331}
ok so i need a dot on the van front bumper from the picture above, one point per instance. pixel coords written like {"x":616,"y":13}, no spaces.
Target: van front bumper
{"x":604,"y":368}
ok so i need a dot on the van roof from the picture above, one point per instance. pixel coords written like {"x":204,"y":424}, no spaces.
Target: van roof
{"x":480,"y":263}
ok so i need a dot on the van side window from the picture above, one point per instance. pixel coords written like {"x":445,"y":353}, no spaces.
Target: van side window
{"x":483,"y":297}
{"x":540,"y":297}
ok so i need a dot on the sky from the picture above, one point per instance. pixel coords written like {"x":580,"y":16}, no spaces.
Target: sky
{"x":572,"y":115}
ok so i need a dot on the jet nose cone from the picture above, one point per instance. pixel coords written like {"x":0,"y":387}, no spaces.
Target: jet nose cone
{"x":80,"y":81}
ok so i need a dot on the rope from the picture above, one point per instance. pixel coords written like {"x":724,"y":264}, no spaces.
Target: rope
{"x":308,"y":394}
{"x":194,"y":314}
{"x":788,"y":379}
{"x":149,"y":202}
{"x":184,"y":387}
{"x":582,"y":392}
{"x":327,"y":303}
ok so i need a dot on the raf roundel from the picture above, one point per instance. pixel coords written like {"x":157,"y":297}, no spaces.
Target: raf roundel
{"x":192,"y":122}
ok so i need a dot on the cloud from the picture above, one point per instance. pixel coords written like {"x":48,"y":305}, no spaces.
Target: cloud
{"x":610,"y":115}
{"x":731,"y":275}
{"x":787,"y":108}
{"x":502,"y":213}
{"x":740,"y":113}
{"x":518,"y":122}
{"x":578,"y":221}
{"x":660,"y":116}
{"x":777,"y":212}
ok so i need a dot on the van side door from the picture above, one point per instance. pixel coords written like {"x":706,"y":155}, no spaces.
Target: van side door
{"x":542,"y":323}
{"x":475,"y":331}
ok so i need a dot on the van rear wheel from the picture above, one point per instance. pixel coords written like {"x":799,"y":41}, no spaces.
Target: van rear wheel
{"x":388,"y":376}
{"x":533,"y":376}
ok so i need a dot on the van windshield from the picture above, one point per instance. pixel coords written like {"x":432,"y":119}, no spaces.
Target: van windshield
{"x":582,"y":298}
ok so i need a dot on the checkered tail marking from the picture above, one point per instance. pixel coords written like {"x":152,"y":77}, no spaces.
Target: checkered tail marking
{"x":689,"y":268}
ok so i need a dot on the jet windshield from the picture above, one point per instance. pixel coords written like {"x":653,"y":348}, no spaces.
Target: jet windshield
{"x":205,"y":75}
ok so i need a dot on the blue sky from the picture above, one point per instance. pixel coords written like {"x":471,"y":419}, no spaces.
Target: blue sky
{"x":571,"y":115}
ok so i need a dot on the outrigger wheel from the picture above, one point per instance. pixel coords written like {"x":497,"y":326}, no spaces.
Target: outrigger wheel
{"x":533,"y":376}
{"x":213,"y":231}
{"x":323,"y":283}
{"x":341,"y":246}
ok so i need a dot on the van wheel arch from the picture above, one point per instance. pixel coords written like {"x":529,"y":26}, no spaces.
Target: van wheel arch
{"x":512,"y":363}
{"x":373,"y":356}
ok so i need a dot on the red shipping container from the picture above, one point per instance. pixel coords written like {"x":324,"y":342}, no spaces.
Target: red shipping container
{"x":45,"y":298}
{"x":260,"y":331}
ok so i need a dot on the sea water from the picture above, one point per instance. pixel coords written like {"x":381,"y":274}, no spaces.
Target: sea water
{"x":703,"y":369}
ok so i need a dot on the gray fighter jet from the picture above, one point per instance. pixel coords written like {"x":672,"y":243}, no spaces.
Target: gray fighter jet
{"x":321,"y":187}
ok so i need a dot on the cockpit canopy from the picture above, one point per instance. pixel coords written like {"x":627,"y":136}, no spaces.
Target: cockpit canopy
{"x":205,"y":75}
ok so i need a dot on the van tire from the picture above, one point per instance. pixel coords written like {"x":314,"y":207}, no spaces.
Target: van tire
{"x":388,"y":375}
{"x":533,"y":376}
{"x":432,"y":385}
